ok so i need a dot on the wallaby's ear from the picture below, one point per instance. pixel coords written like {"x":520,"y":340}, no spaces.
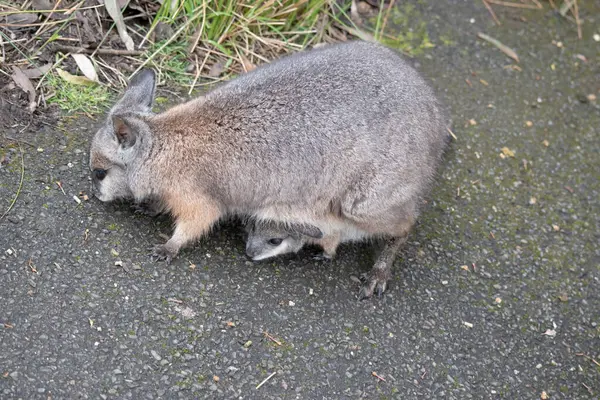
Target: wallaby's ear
{"x":139,"y":95}
{"x":124,"y":131}
{"x":307,"y":230}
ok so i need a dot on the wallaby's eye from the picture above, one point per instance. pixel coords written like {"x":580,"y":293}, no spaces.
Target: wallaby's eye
{"x":99,"y":174}
{"x":275,"y":241}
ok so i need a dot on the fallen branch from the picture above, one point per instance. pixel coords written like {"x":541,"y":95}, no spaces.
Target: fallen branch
{"x":487,"y":5}
{"x":505,"y":49}
{"x":111,"y":52}
{"x":516,"y":5}
{"x":20,"y":184}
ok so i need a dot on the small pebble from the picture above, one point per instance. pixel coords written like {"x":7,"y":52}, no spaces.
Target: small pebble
{"x":156,"y":356}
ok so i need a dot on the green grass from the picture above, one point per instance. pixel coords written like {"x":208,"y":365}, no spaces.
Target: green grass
{"x":77,"y":98}
{"x":211,"y":41}
{"x":220,"y":39}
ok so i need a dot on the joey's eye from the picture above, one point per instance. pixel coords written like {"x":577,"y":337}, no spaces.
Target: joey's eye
{"x":275,"y":241}
{"x":99,"y":174}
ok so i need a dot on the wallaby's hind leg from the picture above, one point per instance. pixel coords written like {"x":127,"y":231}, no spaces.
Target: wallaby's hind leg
{"x":376,"y":280}
{"x":381,"y":273}
{"x":329,"y":244}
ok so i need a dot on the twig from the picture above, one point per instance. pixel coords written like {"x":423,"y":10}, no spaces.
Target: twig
{"x":272,"y":338}
{"x":20,"y":184}
{"x":19,"y":140}
{"x":60,"y":186}
{"x":589,"y":389}
{"x":577,"y":20}
{"x":487,"y":5}
{"x":199,"y":70}
{"x":31,"y":266}
{"x":538,"y":4}
{"x":387,"y":14}
{"x":505,"y":49}
{"x":112,"y":52}
{"x":509,"y":4}
{"x":166,"y":43}
{"x":266,"y":379}
{"x":377,"y":376}
{"x":451,"y":133}
{"x":588,"y":357}
{"x":198,"y":35}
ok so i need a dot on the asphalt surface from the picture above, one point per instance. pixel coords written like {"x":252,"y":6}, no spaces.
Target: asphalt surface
{"x":495,"y":296}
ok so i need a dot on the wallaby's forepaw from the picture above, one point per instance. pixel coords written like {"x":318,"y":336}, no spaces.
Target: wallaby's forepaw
{"x":145,"y":209}
{"x":374,"y":281}
{"x":322,"y":257}
{"x":162,"y":252}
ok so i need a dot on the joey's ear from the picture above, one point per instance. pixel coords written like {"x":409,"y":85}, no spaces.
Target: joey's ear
{"x":139,"y":95}
{"x":124,"y":131}
{"x":307,"y":230}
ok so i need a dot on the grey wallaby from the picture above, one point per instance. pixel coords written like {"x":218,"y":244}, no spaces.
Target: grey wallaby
{"x":346,"y":138}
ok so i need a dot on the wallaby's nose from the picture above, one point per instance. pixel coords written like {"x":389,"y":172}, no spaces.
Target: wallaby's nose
{"x":250,"y":251}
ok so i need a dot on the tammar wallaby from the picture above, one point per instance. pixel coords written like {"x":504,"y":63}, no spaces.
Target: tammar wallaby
{"x":346,"y":138}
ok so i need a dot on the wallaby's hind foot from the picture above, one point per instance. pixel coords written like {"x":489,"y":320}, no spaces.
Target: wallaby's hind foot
{"x":162,"y":252}
{"x":376,"y":280}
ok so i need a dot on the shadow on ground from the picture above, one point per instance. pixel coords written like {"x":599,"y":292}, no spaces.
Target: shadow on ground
{"x":495,"y":296}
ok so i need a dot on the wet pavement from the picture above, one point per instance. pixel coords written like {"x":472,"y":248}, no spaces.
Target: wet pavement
{"x":495,"y":296}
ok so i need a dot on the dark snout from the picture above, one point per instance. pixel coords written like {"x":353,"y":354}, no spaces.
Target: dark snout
{"x":251,"y":252}
{"x":97,"y":176}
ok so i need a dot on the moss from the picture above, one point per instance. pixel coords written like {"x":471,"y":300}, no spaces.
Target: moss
{"x":406,"y":29}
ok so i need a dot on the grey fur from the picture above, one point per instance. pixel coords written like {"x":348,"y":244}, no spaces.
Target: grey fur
{"x":346,"y":138}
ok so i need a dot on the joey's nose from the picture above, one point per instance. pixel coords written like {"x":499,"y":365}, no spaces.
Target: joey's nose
{"x":250,"y":251}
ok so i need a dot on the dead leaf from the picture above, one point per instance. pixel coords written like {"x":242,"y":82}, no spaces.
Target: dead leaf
{"x":216,"y":69}
{"x":24,"y":83}
{"x":550,"y":332}
{"x":19,"y":21}
{"x":115,"y":13}
{"x":34,"y":73}
{"x":563,"y":297}
{"x":74,"y":79}
{"x":505,"y":49}
{"x":86,"y":66}
{"x":508,"y":152}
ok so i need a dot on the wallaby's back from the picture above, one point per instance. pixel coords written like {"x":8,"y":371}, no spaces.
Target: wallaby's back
{"x":349,"y":130}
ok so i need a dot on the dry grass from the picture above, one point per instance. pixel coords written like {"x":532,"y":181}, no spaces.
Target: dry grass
{"x":189,"y":42}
